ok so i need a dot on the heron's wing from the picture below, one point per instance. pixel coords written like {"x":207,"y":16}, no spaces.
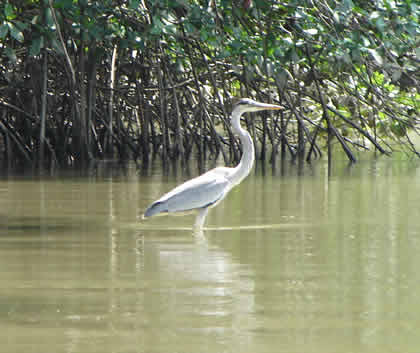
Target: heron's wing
{"x":199,"y":192}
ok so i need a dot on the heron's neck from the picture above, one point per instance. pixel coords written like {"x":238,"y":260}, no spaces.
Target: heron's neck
{"x":248,"y":154}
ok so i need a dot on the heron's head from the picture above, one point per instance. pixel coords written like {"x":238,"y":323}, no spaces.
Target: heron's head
{"x":244,"y":105}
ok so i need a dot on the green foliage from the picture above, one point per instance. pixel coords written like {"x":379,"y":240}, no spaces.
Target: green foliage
{"x":360,"y":57}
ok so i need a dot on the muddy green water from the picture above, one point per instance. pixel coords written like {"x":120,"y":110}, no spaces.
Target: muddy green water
{"x":292,"y":261}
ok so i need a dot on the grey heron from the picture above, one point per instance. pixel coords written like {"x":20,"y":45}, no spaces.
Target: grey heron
{"x":207,"y":190}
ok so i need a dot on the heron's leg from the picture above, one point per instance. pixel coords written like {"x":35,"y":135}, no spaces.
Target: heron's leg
{"x":201,"y":218}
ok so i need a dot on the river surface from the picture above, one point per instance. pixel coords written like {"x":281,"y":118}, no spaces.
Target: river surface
{"x":291,"y":261}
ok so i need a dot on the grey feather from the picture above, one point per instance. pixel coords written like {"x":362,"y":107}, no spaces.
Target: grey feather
{"x":200,"y":192}
{"x":155,"y":208}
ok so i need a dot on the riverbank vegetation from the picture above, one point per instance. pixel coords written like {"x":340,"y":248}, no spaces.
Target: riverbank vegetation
{"x":85,"y":80}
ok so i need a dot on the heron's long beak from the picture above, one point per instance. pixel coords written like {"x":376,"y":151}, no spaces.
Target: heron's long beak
{"x":265,"y":106}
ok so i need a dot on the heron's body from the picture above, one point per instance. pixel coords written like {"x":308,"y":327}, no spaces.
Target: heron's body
{"x":207,"y":190}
